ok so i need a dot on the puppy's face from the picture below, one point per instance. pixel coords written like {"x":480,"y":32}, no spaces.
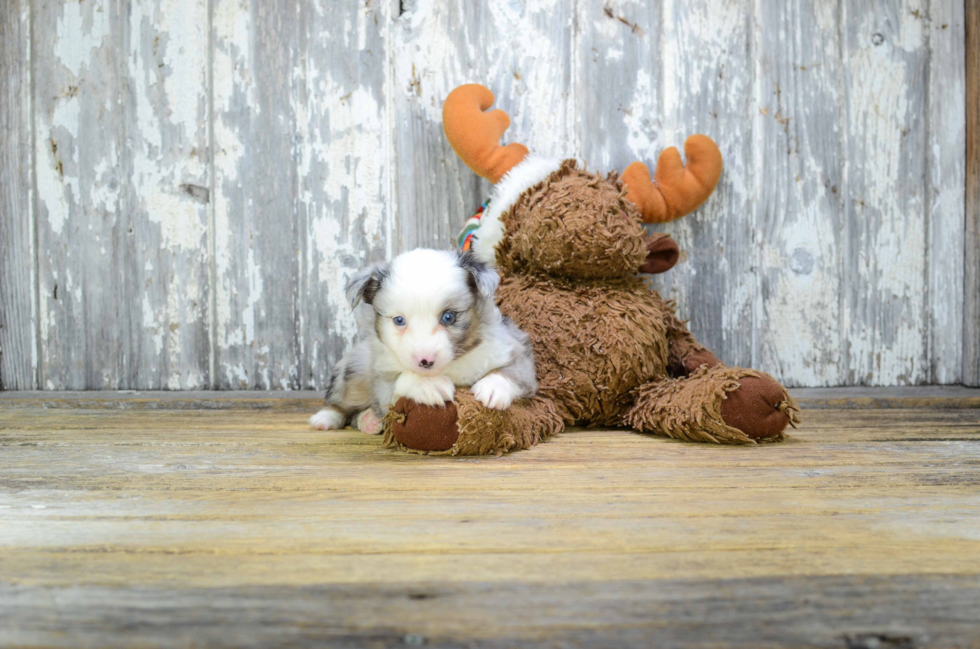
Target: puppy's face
{"x":428,"y":306}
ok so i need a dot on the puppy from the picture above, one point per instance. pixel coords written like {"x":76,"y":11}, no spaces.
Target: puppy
{"x":428,"y":323}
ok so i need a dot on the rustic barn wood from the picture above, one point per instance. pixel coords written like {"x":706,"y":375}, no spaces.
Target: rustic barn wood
{"x":843,"y":611}
{"x":257,"y":241}
{"x":971,"y":244}
{"x":246,"y":528}
{"x":18,"y":350}
{"x":186,"y":186}
{"x":521,"y":50}
{"x":946,"y":172}
{"x":843,"y":398}
{"x":121,"y":162}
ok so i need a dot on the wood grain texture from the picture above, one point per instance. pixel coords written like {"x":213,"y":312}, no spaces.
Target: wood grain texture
{"x":885,"y":79}
{"x":302,"y":183}
{"x":946,"y":176}
{"x":18,"y":336}
{"x":123,"y":528}
{"x":799,"y":167}
{"x":971,"y":243}
{"x":32,"y":406}
{"x":716,"y":286}
{"x":257,"y":238}
{"x":640,"y":93}
{"x":343,"y":146}
{"x":121,"y":150}
{"x":860,"y":612}
{"x":521,"y":51}
{"x":913,"y":397}
{"x":208,"y":176}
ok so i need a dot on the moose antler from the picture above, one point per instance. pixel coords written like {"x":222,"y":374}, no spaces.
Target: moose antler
{"x":475,"y":135}
{"x":676,"y":190}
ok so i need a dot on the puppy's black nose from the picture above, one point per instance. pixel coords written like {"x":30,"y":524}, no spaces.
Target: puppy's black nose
{"x":426,"y":363}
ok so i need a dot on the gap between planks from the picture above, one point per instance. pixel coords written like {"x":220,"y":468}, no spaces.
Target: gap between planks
{"x":848,"y":398}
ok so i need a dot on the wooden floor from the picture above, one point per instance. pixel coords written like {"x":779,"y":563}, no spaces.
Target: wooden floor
{"x":240,"y":527}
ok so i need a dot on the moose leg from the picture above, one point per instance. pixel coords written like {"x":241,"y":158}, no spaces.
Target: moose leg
{"x":707,"y":401}
{"x":724,"y":405}
{"x":464,"y":426}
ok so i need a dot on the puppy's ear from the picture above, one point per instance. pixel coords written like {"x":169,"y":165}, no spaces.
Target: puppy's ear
{"x":482,"y":278}
{"x":366,"y":284}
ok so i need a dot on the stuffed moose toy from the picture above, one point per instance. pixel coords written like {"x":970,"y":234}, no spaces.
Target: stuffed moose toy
{"x":569,"y":246}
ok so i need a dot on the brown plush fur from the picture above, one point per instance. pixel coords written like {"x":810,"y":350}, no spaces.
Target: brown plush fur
{"x":574,"y":225}
{"x":609,"y":351}
{"x":690,"y":408}
{"x":594,"y":341}
{"x":469,"y":427}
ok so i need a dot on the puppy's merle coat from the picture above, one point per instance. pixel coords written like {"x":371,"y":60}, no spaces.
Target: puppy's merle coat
{"x":428,"y":323}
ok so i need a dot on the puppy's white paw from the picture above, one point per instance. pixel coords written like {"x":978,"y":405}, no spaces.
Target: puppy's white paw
{"x":495,"y":391}
{"x":327,"y":419}
{"x":368,"y":422}
{"x":425,"y":390}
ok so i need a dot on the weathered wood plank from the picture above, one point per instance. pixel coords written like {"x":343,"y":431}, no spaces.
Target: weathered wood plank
{"x":301,"y":183}
{"x":257,"y":239}
{"x":343,"y":141}
{"x":619,"y":100}
{"x":945,"y":164}
{"x":937,"y":397}
{"x":215,"y":483}
{"x":18,"y":334}
{"x":840,"y":611}
{"x":121,"y":148}
{"x":971,"y":244}
{"x":836,"y":611}
{"x":521,"y":51}
{"x":866,"y":420}
{"x":712,"y":93}
{"x":620,"y":538}
{"x":885,"y":264}
{"x":639,"y":91}
{"x":798,"y":175}
{"x":328,"y":153}
{"x":946,"y":396}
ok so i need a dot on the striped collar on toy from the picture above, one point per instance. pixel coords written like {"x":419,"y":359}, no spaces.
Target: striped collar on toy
{"x":465,"y":241}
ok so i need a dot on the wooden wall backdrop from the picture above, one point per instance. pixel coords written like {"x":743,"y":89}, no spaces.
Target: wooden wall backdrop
{"x":186,"y":185}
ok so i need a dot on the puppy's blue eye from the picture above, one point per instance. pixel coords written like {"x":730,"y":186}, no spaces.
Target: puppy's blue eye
{"x":448,"y":318}
{"x":399,"y":321}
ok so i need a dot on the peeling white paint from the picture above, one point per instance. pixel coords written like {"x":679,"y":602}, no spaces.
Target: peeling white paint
{"x":796,"y":121}
{"x":766,"y":261}
{"x":81,"y":29}
{"x":887,"y":341}
{"x":179,"y":218}
{"x":187,"y":61}
{"x":52,"y":186}
{"x":353,"y":160}
{"x":149,"y":319}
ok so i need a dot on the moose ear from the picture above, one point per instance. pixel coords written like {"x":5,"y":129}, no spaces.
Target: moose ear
{"x":662,"y":253}
{"x":366,"y":284}
{"x":483,"y":279}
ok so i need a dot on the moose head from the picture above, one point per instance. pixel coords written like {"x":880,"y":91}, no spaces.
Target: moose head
{"x":553,"y":217}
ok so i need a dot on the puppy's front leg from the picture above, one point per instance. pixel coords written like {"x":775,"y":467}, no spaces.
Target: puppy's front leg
{"x":496,"y":391}
{"x":425,"y":390}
